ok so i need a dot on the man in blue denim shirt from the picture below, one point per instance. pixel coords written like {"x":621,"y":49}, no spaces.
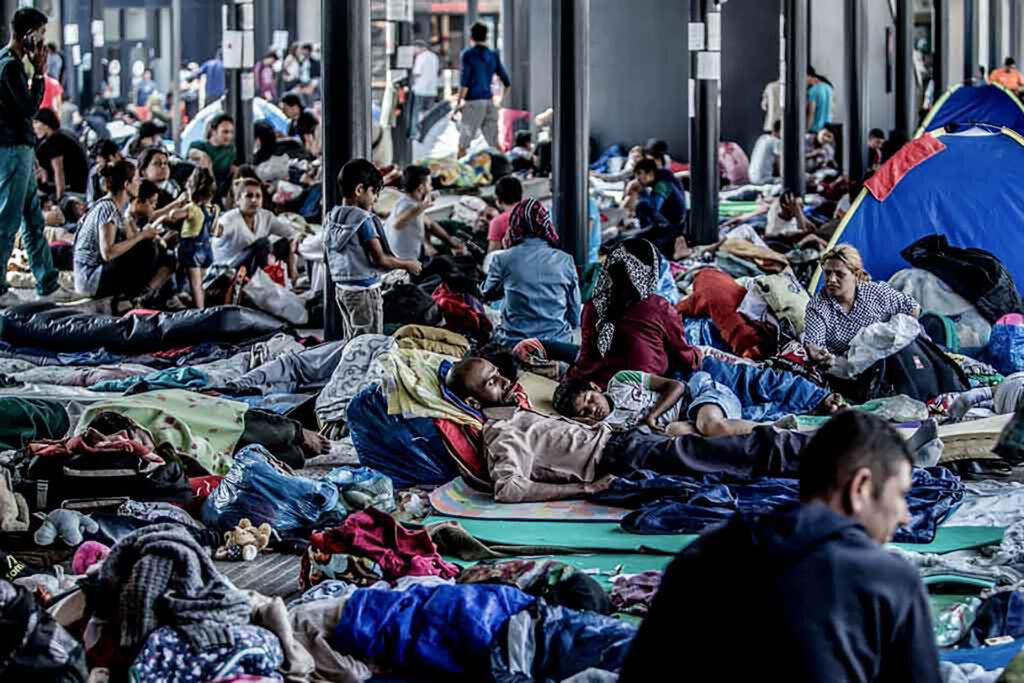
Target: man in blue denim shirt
{"x":19,"y":102}
{"x":479,"y":65}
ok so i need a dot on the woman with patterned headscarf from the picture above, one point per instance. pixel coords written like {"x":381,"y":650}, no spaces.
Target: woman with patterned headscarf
{"x":627,"y":325}
{"x":538,"y":283}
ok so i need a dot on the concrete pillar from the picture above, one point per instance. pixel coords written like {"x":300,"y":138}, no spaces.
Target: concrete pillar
{"x":515,"y":29}
{"x":175,"y":74}
{"x":571,"y":130}
{"x":794,"y":123}
{"x":704,"y":182}
{"x":346,"y":125}
{"x":856,"y":77}
{"x":8,"y":7}
{"x":905,"y":100}
{"x":1013,"y":50}
{"x":472,"y":14}
{"x":403,"y":123}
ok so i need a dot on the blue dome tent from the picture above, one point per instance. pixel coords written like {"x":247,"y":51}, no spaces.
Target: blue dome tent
{"x":963,"y":185}
{"x":966,"y":104}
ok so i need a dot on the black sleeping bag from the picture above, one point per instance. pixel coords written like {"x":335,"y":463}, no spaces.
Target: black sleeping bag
{"x":974,"y":274}
{"x":51,"y":328}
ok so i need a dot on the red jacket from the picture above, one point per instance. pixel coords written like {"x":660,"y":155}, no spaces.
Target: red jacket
{"x":717,"y":296}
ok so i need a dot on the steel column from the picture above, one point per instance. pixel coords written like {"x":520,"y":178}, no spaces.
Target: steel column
{"x":996,"y":52}
{"x":346,"y":126}
{"x":515,"y":30}
{"x":970,"y":41}
{"x":940,"y":47}
{"x":571,"y":132}
{"x":905,"y":100}
{"x":794,"y":123}
{"x":856,"y":73}
{"x":704,"y":180}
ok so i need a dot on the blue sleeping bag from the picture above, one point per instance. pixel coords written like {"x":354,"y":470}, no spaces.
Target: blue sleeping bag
{"x":408,"y":450}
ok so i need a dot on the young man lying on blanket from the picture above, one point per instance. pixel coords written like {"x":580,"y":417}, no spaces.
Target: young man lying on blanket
{"x":533,"y":457}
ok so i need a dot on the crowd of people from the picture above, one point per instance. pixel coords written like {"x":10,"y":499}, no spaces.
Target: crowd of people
{"x":665,"y":365}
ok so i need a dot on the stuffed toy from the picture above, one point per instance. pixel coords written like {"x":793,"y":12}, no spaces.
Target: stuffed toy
{"x":88,"y":554}
{"x":14,"y":515}
{"x":66,"y":525}
{"x":244,"y":542}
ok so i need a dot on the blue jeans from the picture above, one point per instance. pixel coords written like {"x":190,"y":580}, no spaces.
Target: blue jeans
{"x":421,"y":104}
{"x":19,"y":208}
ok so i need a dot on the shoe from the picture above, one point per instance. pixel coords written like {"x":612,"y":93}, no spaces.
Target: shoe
{"x":61,"y":295}
{"x":9,"y":300}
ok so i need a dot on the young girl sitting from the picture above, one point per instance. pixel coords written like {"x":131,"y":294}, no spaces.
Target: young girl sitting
{"x":195,"y":252}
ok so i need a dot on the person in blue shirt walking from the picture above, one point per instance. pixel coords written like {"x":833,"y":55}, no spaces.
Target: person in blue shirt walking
{"x":819,"y":101}
{"x":479,"y":65}
{"x":216,"y":85}
{"x":538,"y":282}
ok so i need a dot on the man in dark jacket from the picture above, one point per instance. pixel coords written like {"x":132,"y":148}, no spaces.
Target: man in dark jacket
{"x":806,"y":595}
{"x":20,"y":95}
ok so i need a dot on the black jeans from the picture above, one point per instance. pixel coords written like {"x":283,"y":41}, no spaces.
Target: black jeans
{"x":257,"y":255}
{"x":764,"y":452}
{"x":280,"y":435}
{"x":130,"y":273}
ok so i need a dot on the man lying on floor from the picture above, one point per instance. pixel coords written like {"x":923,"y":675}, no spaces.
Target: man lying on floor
{"x":533,"y":457}
{"x":826,"y":602}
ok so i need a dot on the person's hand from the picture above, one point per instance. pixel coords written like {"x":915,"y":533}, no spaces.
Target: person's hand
{"x":602,"y":484}
{"x":819,"y":356}
{"x":633,"y":187}
{"x":652,"y":424}
{"x":413,"y":267}
{"x":458,"y":246}
{"x":792,"y":205}
{"x":39,"y":57}
{"x":428,"y":201}
{"x":149,"y":233}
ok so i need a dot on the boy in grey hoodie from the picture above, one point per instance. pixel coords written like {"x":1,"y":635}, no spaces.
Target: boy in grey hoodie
{"x":357,"y":250}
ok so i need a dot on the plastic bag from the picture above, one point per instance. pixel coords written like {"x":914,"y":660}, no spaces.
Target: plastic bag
{"x":261,"y":489}
{"x":269,"y":296}
{"x":274,"y":168}
{"x":1005,"y":350}
{"x":362,"y":487}
{"x":875,"y":342}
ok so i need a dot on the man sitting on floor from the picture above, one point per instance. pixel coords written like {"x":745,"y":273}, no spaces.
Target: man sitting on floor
{"x":821,"y":599}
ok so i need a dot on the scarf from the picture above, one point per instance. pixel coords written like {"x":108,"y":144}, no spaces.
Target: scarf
{"x":622,"y":270}
{"x":529,"y":218}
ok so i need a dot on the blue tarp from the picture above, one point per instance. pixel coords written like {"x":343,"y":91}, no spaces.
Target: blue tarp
{"x":968,"y":192}
{"x":965,"y":104}
{"x":667,"y":504}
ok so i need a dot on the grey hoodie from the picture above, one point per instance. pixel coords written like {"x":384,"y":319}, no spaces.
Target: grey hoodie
{"x":346,"y":256}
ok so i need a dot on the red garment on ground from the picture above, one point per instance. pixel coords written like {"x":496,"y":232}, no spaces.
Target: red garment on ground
{"x":717,"y":296}
{"x":92,"y":442}
{"x":649,"y":338}
{"x":376,"y":535}
{"x":460,"y":313}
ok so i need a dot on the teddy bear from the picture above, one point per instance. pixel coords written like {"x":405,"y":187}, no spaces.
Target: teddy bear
{"x":66,"y":525}
{"x":14,"y":515}
{"x":244,"y":542}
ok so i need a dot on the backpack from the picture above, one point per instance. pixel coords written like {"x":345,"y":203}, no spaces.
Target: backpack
{"x":921,"y":371}
{"x":941,"y":329}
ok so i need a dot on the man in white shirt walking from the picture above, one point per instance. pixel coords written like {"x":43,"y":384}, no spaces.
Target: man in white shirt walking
{"x":424,"y":84}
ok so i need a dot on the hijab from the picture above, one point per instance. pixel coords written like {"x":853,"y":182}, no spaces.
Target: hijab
{"x":630,"y":274}
{"x":529,"y":218}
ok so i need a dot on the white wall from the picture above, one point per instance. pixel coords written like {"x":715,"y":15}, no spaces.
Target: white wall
{"x":309,"y":22}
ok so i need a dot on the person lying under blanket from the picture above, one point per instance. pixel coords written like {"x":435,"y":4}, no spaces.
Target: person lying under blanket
{"x":534,"y":457}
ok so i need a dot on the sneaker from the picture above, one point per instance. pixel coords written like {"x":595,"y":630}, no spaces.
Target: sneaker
{"x":9,"y":300}
{"x":61,"y":295}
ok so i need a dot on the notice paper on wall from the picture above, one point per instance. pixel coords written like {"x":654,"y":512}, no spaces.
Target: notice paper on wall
{"x":714,"y":20}
{"x":692,"y":106}
{"x":696,"y":36}
{"x":709,"y":66}
{"x":232,"y":43}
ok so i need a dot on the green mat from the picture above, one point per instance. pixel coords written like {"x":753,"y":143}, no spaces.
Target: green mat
{"x":613,"y":538}
{"x":730,"y":209}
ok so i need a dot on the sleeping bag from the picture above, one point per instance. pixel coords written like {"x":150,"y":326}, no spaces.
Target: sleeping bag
{"x":717,"y":296}
{"x":45,"y":326}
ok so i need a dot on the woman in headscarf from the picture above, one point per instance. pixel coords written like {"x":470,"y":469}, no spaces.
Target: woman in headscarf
{"x":627,"y":325}
{"x":848,"y":303}
{"x":539,"y":284}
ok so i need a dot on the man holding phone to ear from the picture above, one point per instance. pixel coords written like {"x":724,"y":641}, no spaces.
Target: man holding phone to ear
{"x":22,"y":71}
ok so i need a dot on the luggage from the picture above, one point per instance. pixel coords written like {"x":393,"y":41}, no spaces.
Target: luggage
{"x":921,"y":370}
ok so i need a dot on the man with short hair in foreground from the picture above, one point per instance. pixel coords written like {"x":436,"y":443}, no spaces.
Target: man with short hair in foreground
{"x":807,"y":594}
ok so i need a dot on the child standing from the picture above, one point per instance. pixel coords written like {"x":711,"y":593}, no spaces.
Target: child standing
{"x":195,"y":252}
{"x":357,"y":250}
